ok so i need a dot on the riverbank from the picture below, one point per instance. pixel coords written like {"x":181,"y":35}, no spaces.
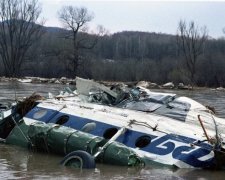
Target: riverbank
{"x":69,"y":81}
{"x":62,"y":80}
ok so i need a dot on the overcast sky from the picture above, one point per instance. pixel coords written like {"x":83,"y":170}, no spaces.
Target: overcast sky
{"x":150,"y":16}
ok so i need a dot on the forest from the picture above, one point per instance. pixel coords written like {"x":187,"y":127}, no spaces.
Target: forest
{"x":123,"y":56}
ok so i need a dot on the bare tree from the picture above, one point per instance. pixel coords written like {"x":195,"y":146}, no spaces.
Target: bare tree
{"x":191,"y":40}
{"x":18,"y":31}
{"x":75,"y":20}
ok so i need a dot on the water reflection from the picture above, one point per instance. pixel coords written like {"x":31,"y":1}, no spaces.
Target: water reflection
{"x":19,"y":163}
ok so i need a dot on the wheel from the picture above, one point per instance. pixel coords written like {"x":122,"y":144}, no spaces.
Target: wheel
{"x":79,"y":159}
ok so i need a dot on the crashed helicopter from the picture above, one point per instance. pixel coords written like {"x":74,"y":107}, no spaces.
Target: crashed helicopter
{"x":159,"y":128}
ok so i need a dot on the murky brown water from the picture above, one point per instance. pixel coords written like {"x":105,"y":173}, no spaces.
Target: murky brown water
{"x":19,"y":163}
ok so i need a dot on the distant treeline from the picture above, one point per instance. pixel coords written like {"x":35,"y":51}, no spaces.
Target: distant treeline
{"x":124,"y":56}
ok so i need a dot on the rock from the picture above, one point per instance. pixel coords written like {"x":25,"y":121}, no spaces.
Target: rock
{"x":43,"y":80}
{"x":36,"y":80}
{"x":4,"y":79}
{"x":182,"y":86}
{"x":52,"y":80}
{"x":153,"y":85}
{"x":168,"y":85}
{"x":220,"y":89}
{"x":144,"y":84}
{"x":25,"y":80}
{"x":63,"y":80}
{"x":57,"y":82}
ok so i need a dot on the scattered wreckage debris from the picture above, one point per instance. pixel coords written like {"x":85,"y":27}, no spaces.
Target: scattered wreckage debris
{"x":134,"y":98}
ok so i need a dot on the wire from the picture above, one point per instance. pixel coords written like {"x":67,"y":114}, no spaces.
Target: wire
{"x":26,"y":138}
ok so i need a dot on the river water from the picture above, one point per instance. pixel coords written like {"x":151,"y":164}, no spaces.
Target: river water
{"x":19,"y":163}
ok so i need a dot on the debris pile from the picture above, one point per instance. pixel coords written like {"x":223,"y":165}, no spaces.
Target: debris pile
{"x":135,"y":98}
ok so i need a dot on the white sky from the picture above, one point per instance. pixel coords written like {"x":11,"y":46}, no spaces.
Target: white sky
{"x":150,"y":16}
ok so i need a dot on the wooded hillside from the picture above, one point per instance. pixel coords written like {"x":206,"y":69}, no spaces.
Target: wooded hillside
{"x":124,"y":56}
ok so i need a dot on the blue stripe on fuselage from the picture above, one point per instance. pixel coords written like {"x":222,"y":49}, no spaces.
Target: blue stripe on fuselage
{"x":159,"y":145}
